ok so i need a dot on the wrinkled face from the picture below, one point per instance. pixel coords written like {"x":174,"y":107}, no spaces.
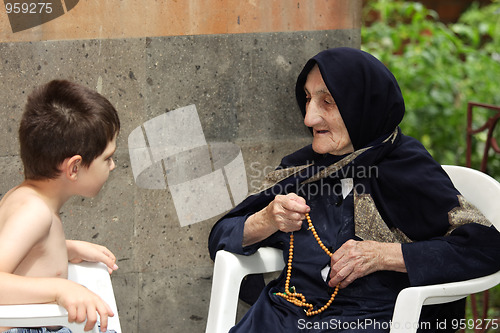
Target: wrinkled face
{"x":323,"y":116}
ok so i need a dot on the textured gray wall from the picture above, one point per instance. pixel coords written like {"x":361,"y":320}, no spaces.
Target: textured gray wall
{"x":243,"y":89}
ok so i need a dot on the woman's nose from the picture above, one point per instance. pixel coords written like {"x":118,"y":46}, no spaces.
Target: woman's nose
{"x":312,"y":117}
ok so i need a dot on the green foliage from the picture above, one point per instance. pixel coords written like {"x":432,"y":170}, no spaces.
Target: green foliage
{"x":439,"y":68}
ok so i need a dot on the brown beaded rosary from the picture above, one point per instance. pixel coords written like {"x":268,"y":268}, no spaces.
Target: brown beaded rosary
{"x":290,"y":293}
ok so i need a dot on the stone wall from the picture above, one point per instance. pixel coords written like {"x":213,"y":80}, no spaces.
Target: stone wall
{"x":236,"y":64}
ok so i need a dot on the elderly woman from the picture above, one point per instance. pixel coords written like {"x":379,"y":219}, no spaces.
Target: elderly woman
{"x":360,"y":214}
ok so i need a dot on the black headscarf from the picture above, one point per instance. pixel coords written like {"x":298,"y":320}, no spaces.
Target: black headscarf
{"x":410,"y":187}
{"x":367,"y":94}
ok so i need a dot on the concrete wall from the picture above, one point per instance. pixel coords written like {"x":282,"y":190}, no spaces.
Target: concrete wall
{"x":237,"y":63}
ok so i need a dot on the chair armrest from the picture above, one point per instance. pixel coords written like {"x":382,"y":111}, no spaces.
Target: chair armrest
{"x":38,"y":315}
{"x":229,"y":271}
{"x":94,"y":276}
{"x":410,"y":300}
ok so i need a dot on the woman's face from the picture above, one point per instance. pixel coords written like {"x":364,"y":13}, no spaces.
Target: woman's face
{"x":323,"y":116}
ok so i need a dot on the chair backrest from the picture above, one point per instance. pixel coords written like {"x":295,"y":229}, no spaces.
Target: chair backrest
{"x":479,"y":189}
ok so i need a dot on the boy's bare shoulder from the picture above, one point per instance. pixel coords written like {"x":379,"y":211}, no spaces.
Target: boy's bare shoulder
{"x":24,"y":202}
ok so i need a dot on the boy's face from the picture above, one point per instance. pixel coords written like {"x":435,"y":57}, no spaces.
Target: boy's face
{"x":92,"y":179}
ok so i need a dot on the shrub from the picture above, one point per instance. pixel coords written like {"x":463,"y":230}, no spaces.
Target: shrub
{"x":439,"y":68}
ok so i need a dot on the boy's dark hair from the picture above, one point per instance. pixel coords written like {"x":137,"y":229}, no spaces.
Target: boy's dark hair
{"x":62,"y":119}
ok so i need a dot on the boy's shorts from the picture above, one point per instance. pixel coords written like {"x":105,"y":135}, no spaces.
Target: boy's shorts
{"x":43,"y":330}
{"x":37,"y":330}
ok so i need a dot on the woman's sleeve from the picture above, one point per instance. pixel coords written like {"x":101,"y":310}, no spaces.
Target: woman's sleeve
{"x":227,"y":234}
{"x":451,"y":239}
{"x":470,"y":251}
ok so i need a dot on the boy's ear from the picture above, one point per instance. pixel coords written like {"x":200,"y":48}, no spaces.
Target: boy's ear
{"x":71,"y":166}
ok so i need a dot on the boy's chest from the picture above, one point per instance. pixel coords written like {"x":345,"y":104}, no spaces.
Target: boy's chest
{"x":48,"y":258}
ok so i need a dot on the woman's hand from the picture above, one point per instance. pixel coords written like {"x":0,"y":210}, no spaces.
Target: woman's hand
{"x":355,"y":259}
{"x":82,"y":304}
{"x":284,"y":213}
{"x":79,"y":251}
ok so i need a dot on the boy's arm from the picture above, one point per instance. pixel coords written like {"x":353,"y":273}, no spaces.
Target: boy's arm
{"x":79,"y":251}
{"x":23,"y":227}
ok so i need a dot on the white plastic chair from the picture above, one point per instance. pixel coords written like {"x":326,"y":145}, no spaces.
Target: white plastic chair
{"x":483,"y":192}
{"x":94,"y":276}
{"x":229,"y":270}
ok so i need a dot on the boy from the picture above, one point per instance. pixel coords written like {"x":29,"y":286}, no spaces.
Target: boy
{"x":67,"y":137}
